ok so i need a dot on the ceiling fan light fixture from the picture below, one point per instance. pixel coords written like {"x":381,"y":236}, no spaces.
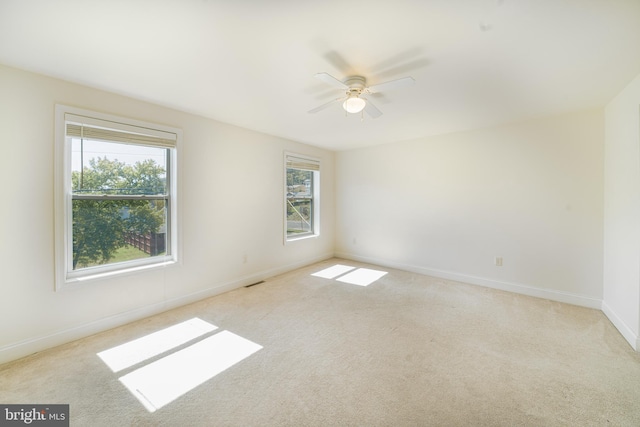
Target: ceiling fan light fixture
{"x":354,"y":104}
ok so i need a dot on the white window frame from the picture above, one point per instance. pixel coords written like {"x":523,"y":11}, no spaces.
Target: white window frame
{"x":312,"y":164}
{"x":65,"y":276}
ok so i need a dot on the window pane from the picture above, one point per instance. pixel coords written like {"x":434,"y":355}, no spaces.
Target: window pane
{"x":299,"y":201}
{"x":115,"y":168}
{"x":111,"y":231}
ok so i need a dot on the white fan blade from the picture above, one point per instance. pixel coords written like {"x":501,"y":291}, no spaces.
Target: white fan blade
{"x":329,"y":79}
{"x":371,"y":109}
{"x":390,"y":85}
{"x":323,"y":106}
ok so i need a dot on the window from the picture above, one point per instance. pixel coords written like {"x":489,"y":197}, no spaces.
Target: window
{"x":116,"y":200}
{"x":302,"y":196}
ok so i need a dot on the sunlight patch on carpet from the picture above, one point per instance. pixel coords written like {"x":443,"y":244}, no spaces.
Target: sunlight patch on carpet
{"x":334,"y":271}
{"x":133,"y":352}
{"x":346,"y":274}
{"x":161,"y":382}
{"x":362,"y":277}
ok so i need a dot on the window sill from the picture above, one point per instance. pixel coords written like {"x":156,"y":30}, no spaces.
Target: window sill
{"x":302,"y":237}
{"x":76,"y":281}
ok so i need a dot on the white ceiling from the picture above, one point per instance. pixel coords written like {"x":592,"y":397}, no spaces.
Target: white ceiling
{"x":476,"y":63}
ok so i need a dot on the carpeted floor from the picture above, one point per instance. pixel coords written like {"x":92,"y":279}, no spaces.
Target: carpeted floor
{"x":407,"y":350}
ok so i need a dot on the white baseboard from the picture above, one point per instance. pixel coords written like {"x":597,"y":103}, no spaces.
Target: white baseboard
{"x":33,"y":345}
{"x":552,"y":295}
{"x":621,"y":326}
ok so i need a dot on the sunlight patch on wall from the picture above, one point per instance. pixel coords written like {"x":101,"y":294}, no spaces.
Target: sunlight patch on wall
{"x":332,"y":272}
{"x":136,"y":351}
{"x":346,"y":274}
{"x":161,"y":382}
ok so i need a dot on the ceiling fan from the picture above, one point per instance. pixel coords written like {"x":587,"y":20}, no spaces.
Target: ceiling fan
{"x":355,"y":87}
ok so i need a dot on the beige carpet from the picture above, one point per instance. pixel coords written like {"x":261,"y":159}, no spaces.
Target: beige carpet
{"x":407,"y":350}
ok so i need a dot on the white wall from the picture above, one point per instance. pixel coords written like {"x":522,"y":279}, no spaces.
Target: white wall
{"x":622,"y":212}
{"x":231,"y":189}
{"x":531,"y":193}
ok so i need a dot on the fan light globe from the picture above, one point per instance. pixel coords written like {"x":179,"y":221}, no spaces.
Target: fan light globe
{"x":354,"y":104}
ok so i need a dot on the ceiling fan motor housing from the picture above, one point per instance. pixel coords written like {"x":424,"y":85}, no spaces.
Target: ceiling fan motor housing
{"x":358,"y":82}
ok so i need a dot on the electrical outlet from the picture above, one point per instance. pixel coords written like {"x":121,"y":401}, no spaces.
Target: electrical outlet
{"x":499,"y":261}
